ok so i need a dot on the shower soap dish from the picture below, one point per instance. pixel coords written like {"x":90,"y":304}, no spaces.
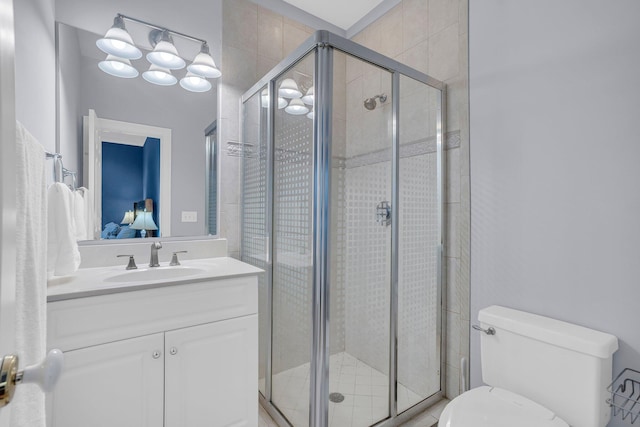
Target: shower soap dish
{"x":625,"y":395}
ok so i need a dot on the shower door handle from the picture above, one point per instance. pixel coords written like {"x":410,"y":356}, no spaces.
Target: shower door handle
{"x":45,"y":374}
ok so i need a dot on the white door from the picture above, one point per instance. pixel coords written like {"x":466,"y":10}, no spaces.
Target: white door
{"x":7,"y":188}
{"x":117,"y":384}
{"x":211,"y":374}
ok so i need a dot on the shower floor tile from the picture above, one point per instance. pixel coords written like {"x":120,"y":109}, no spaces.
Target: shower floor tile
{"x":364,"y":388}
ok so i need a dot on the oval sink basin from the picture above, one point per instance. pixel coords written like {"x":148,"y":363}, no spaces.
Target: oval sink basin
{"x":158,"y":273}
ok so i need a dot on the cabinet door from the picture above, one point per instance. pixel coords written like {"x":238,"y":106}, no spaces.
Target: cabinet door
{"x":116,"y":384}
{"x":211,"y":375}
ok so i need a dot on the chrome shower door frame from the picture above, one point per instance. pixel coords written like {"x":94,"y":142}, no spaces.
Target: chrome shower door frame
{"x":324,"y":43}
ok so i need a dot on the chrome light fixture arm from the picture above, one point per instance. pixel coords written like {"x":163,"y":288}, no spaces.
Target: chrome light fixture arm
{"x":161,"y":29}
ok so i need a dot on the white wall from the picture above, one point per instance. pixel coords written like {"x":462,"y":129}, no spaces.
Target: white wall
{"x":555,"y":176}
{"x":35,"y":69}
{"x":69,"y":99}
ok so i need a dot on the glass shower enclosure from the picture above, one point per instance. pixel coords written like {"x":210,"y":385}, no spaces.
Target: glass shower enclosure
{"x":342,"y":201}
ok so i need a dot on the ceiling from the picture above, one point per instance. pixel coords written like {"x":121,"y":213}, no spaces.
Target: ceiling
{"x":341,"y":13}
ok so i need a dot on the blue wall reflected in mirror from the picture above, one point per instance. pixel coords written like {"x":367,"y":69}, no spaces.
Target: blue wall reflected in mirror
{"x":130,"y":174}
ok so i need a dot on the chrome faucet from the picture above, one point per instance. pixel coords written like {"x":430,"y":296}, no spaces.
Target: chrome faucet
{"x":153,"y":262}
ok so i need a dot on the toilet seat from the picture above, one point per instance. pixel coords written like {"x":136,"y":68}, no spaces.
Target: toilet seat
{"x":495,"y":407}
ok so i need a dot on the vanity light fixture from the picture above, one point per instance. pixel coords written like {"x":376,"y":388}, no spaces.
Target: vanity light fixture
{"x":164,"y":57}
{"x":203,"y":64}
{"x":165,"y":54}
{"x":264,"y":100}
{"x":195,"y":83}
{"x":308,"y":97}
{"x":289,"y":89}
{"x":117,"y":41}
{"x":296,"y":107}
{"x":119,"y":67}
{"x":159,"y":76}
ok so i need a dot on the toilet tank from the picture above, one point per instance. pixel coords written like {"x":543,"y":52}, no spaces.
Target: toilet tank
{"x":561,"y":366}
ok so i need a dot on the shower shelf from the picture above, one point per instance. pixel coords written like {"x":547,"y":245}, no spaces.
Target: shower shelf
{"x":625,"y":395}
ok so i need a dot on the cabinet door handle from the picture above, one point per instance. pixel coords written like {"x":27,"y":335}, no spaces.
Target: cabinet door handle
{"x":156,"y":354}
{"x":173,"y":351}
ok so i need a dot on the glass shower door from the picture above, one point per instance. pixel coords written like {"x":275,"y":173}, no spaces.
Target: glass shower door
{"x":419,"y":299}
{"x":255,"y":216}
{"x":292,"y":244}
{"x":360,"y":286}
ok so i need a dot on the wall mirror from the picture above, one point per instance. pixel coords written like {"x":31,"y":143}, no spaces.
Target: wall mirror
{"x":131,"y":114}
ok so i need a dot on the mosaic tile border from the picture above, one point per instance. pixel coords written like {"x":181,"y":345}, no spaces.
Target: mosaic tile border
{"x":416,"y":148}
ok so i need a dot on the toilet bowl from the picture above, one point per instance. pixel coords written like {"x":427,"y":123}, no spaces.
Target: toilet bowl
{"x":495,"y":407}
{"x":539,"y":372}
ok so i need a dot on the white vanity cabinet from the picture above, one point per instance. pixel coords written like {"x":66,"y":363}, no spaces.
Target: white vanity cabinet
{"x":174,"y":356}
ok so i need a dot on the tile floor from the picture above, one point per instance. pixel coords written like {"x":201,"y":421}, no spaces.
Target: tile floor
{"x":428,"y":418}
{"x":365,"y":393}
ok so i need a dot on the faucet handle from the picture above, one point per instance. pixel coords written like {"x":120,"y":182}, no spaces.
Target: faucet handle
{"x":132,"y":262}
{"x":174,"y":258}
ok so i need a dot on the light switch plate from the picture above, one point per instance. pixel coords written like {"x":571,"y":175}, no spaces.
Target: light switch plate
{"x":189,"y":216}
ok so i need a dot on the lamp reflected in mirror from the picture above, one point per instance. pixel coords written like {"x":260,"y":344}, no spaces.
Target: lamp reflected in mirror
{"x":144,"y":222}
{"x":128,"y":218}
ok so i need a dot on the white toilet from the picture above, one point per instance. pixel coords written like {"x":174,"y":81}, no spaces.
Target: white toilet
{"x":540,"y":372}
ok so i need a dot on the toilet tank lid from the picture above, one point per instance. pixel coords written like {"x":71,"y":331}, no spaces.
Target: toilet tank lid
{"x":552,"y":331}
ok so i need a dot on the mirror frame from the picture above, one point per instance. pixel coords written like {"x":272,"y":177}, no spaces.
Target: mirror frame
{"x":95,"y":130}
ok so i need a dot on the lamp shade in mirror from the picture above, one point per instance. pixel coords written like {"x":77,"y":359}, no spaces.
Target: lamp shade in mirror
{"x":144,"y":221}
{"x":119,"y":67}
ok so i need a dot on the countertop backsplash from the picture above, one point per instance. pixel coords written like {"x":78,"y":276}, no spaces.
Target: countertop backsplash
{"x":106,"y":255}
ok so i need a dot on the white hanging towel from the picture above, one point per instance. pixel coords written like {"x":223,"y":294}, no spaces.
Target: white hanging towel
{"x":28,"y":405}
{"x":89,"y":218}
{"x":79,"y":216}
{"x":63,"y":256}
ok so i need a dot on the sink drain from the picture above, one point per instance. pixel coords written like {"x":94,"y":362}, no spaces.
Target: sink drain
{"x":336,"y":397}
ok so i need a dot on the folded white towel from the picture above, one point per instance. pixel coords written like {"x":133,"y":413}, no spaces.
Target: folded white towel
{"x":63,"y":256}
{"x":28,"y":406}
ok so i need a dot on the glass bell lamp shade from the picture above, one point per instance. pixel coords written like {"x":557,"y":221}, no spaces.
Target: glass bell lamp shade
{"x":165,"y":54}
{"x":203,"y":64}
{"x":308,"y":97}
{"x":264,"y":100}
{"x":144,"y":221}
{"x":289,"y":89}
{"x":117,"y":41}
{"x":128,"y":218}
{"x":119,"y":67}
{"x":195,"y":83}
{"x":296,"y":107}
{"x":159,"y":76}
{"x":310,"y":115}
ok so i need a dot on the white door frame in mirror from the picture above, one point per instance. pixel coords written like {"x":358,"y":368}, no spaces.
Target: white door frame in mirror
{"x":97,"y":130}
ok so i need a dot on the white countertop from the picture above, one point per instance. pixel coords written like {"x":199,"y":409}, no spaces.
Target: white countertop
{"x":88,"y":282}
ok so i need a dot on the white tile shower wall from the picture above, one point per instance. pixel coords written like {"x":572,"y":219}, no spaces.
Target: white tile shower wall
{"x":367,"y":274}
{"x":418,"y":304}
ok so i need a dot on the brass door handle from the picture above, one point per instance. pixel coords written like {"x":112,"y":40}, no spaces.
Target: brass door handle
{"x":45,"y":374}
